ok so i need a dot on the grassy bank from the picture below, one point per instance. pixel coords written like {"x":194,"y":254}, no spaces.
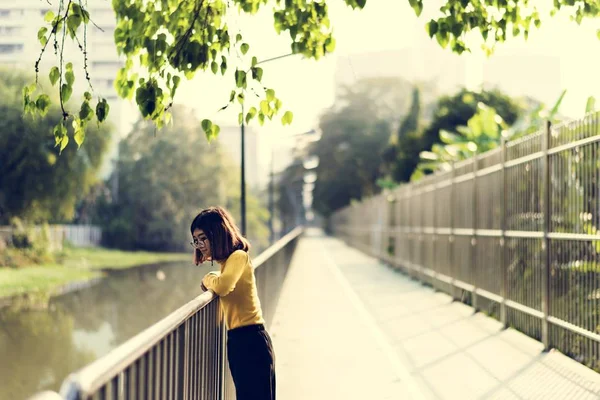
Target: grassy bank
{"x":75,"y":265}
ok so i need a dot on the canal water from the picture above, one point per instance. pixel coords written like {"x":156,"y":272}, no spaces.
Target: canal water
{"x":39,"y":348}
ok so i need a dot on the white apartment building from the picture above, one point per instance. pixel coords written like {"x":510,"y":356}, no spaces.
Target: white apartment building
{"x":20,"y":21}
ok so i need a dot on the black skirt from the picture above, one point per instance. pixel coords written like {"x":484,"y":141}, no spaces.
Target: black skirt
{"x":251,"y":362}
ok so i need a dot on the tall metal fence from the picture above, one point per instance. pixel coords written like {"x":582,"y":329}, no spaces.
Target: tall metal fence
{"x":514,"y":232}
{"x":184,"y":355}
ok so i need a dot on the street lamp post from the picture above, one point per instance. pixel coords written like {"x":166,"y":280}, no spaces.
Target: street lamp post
{"x":243,"y":155}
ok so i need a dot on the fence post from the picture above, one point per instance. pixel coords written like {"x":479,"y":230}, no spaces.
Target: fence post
{"x":546,"y":240}
{"x":474,"y":238}
{"x":451,"y":237}
{"x":503,"y":226}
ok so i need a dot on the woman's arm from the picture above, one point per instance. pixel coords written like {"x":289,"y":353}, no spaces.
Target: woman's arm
{"x":224,"y":283}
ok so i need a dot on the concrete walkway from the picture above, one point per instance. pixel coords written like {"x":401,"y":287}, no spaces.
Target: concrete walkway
{"x":348,"y":327}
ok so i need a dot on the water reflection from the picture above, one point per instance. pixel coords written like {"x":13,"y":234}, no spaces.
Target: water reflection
{"x":38,"y":349}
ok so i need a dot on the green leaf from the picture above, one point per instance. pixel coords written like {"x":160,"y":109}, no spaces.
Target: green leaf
{"x":257,"y":73}
{"x":54,"y":75}
{"x":85,"y":112}
{"x":361,"y":3}
{"x":442,"y":38}
{"x":65,"y":92}
{"x":87,"y":96}
{"x":79,"y":131}
{"x":238,"y":37}
{"x":330,"y":44}
{"x":69,"y":77}
{"x":417,"y":5}
{"x":240,"y":98}
{"x":102,"y":109}
{"x":207,"y":127}
{"x":270,"y":95}
{"x":240,"y":118}
{"x":254,"y":61}
{"x":42,"y":35}
{"x":264,"y":107}
{"x":244,"y":48}
{"x":73,"y":21}
{"x":598,"y":33}
{"x":176,"y":81}
{"x":214,"y":67}
{"x":590,"y":105}
{"x":64,"y":142}
{"x":223,"y":66}
{"x":43,"y":103}
{"x":251,"y":114}
{"x":232,"y":96}
{"x":240,"y":78}
{"x":49,"y":16}
{"x":432,"y":28}
{"x":261,"y":119}
{"x":287,"y":118}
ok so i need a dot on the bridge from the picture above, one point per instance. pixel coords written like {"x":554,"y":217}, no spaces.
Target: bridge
{"x":478,"y":282}
{"x":345,"y":326}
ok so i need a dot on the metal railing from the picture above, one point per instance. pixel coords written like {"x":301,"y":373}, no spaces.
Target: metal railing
{"x":184,"y":355}
{"x":514,"y":232}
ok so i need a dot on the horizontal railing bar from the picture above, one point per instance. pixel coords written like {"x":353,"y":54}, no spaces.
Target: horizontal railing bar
{"x":572,"y":236}
{"x":524,"y":234}
{"x":463,"y":232}
{"x":525,"y":309}
{"x":489,"y":295}
{"x":489,"y":170}
{"x":445,"y":183}
{"x":444,"y":278}
{"x":463,"y":285}
{"x":428,"y":272}
{"x":463,"y":178}
{"x":574,"y":328}
{"x":488,"y":232}
{"x":524,"y":160}
{"x":572,"y":145}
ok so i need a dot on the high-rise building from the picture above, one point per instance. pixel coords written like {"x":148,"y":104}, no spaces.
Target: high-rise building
{"x":20,"y":48}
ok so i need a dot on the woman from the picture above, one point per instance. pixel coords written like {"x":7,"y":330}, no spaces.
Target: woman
{"x":249,"y":348}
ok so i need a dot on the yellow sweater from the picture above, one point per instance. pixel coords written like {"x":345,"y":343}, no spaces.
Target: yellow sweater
{"x":236,"y":286}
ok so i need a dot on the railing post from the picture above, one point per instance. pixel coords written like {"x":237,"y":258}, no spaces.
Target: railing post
{"x":546,"y":241}
{"x":451,"y":237}
{"x":223,"y":357}
{"x":182,"y":361}
{"x":474,"y":238}
{"x":503,"y":226}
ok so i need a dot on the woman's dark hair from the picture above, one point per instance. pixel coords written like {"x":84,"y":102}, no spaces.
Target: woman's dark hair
{"x":221,"y":231}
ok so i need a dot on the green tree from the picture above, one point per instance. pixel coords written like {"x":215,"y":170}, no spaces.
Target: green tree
{"x":36,"y":184}
{"x":456,"y":110}
{"x":355,"y":134}
{"x":165,"y":41}
{"x":402,"y":155}
{"x":164,"y":181}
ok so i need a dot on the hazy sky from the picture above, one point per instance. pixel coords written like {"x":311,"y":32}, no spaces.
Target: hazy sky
{"x":307,"y":87}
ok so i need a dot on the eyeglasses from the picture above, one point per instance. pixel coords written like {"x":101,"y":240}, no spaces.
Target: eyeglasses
{"x":195,"y":243}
